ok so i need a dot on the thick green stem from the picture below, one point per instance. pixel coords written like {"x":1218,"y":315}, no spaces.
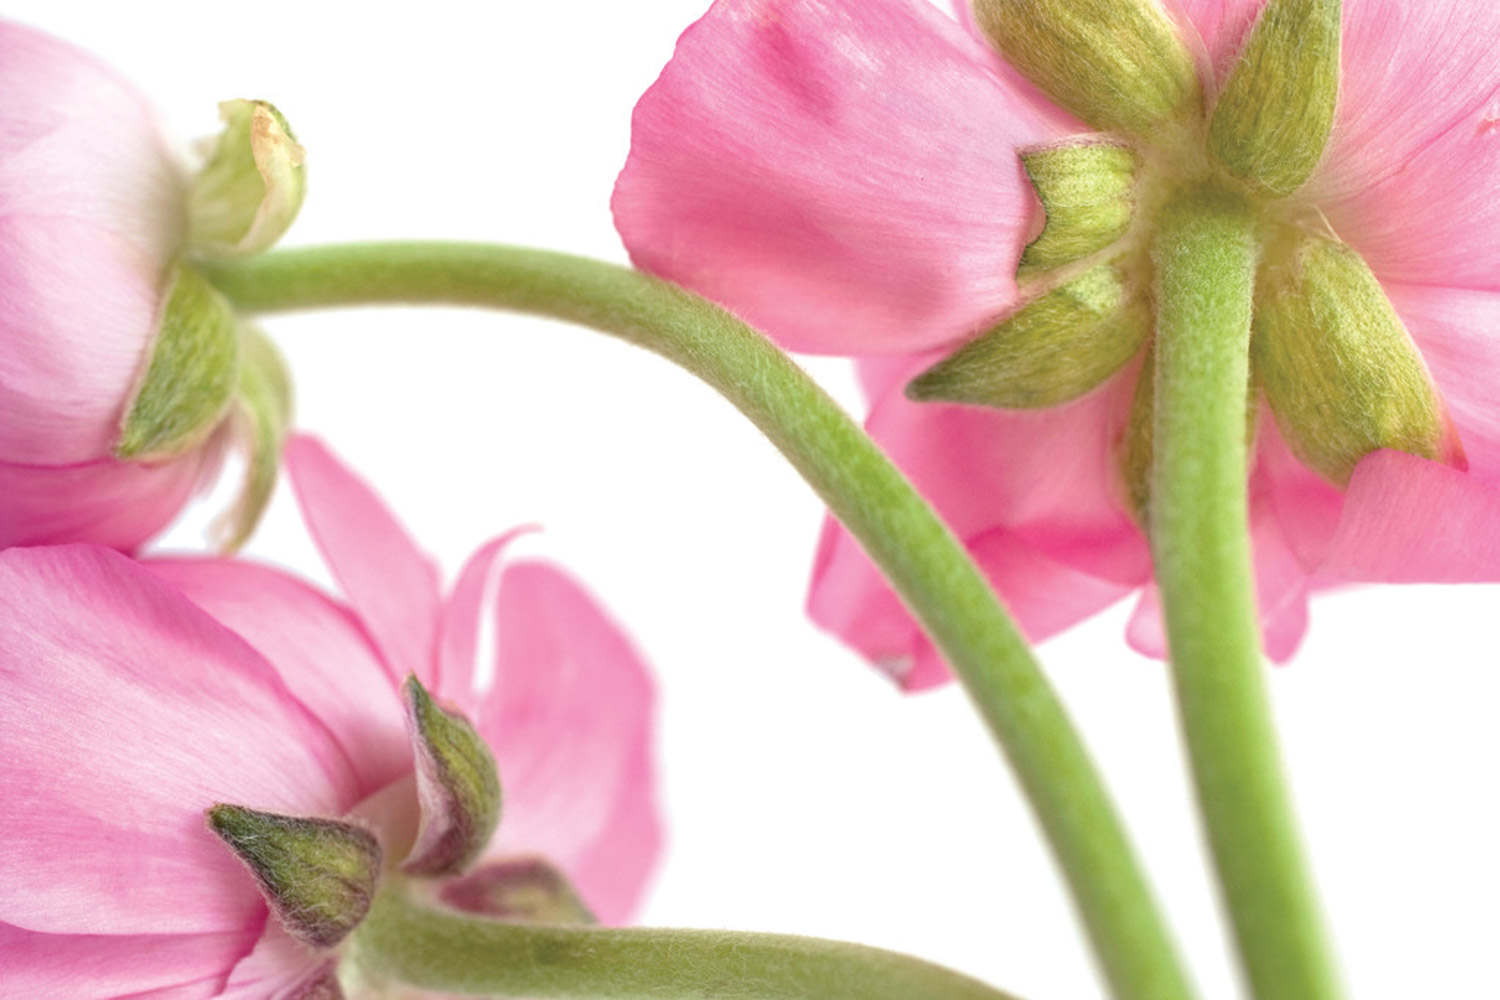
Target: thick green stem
{"x":1205,"y":257}
{"x":407,"y":942}
{"x":920,"y":556}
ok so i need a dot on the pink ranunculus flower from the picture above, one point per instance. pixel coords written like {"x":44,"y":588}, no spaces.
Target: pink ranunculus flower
{"x":139,"y":694}
{"x":844,"y":175}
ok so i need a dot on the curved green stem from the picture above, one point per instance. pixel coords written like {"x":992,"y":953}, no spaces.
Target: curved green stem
{"x":919,"y":555}
{"x":407,"y":942}
{"x":1205,"y":264}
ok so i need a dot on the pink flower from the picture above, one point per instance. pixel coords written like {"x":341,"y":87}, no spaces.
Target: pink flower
{"x":844,"y":175}
{"x":138,"y":695}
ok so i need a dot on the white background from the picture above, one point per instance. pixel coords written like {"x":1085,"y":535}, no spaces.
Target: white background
{"x":803,"y":794}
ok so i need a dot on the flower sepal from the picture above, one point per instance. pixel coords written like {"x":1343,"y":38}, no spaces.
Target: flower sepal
{"x":529,"y":889}
{"x":1087,"y":190}
{"x":250,"y":190}
{"x":458,"y":787}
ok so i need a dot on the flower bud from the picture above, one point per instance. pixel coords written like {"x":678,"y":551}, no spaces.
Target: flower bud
{"x":318,"y":875}
{"x":190,"y":377}
{"x":1055,"y":349}
{"x":1276,"y":111}
{"x":521,"y":889}
{"x":1087,"y":190}
{"x":1341,"y":374}
{"x":250,"y":190}
{"x":1116,"y":64}
{"x":457,"y":786}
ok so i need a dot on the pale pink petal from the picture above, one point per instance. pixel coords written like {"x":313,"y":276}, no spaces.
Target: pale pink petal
{"x":1049,"y":477}
{"x":1146,"y":632}
{"x":1306,"y":506}
{"x":274,"y":969}
{"x":392,"y":584}
{"x":840,"y":173}
{"x":464,"y":616}
{"x":317,"y":646}
{"x":109,"y":503}
{"x":35,"y":966}
{"x":127,"y":712}
{"x":90,"y":213}
{"x":1408,"y":520}
{"x":849,"y":597}
{"x":570,"y":717}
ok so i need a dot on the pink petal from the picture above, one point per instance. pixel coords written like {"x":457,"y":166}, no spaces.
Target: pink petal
{"x":393,"y":585}
{"x":127,"y":712}
{"x":841,"y":174}
{"x":274,"y":969}
{"x":108,"y":503}
{"x":1306,"y":505}
{"x":1408,"y":520}
{"x":571,"y":717}
{"x":849,"y":597}
{"x":316,"y":646}
{"x":467,"y":607}
{"x":102,"y":967}
{"x":90,"y":213}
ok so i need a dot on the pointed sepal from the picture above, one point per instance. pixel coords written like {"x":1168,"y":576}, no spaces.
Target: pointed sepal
{"x":1055,"y":349}
{"x":251,"y":188}
{"x":1340,"y":372}
{"x":261,"y":415}
{"x":1116,"y":64}
{"x":318,"y":875}
{"x":189,"y":377}
{"x":1087,"y":191}
{"x":1275,"y":113}
{"x":530,"y":890}
{"x":457,"y":785}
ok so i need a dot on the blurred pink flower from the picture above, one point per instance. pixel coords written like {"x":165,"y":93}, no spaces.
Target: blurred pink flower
{"x":843,"y":174}
{"x":139,"y":694}
{"x":91,"y":214}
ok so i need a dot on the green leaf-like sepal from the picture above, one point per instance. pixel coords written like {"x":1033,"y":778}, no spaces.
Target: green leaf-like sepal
{"x":318,"y":875}
{"x":262,"y":413}
{"x":250,"y":190}
{"x":1276,"y":111}
{"x":457,"y":785}
{"x":1116,"y":64}
{"x":191,"y":373}
{"x":1087,"y":191}
{"x":530,"y":890}
{"x":1054,"y":350}
{"x":1340,"y":371}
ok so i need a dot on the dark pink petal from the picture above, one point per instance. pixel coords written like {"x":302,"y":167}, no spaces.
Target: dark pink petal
{"x":35,"y":966}
{"x":392,"y":584}
{"x":849,"y":597}
{"x":841,"y":174}
{"x":1408,"y":520}
{"x":106,"y":502}
{"x":319,"y":649}
{"x":570,"y":715}
{"x":468,"y":609}
{"x":127,"y":712}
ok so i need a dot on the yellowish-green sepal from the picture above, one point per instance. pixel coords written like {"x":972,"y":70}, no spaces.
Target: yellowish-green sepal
{"x":191,"y":373}
{"x":1087,"y":190}
{"x":1119,"y":65}
{"x":527,"y":889}
{"x":457,"y":785}
{"x":1340,"y":372}
{"x":261,"y":414}
{"x":318,"y":875}
{"x":1054,"y":350}
{"x":1275,"y":113}
{"x":250,"y":190}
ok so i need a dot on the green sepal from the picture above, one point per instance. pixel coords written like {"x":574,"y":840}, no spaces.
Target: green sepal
{"x":457,"y":785}
{"x":1276,"y":111}
{"x":1340,"y":372}
{"x":249,"y":192}
{"x":1087,"y":189}
{"x":191,"y":374}
{"x":318,"y":875}
{"x":1055,"y":349}
{"x":1119,"y":65}
{"x":529,"y":890}
{"x":261,"y":415}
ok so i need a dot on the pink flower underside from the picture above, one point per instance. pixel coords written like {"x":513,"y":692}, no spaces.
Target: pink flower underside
{"x":90,"y":214}
{"x":799,"y":162}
